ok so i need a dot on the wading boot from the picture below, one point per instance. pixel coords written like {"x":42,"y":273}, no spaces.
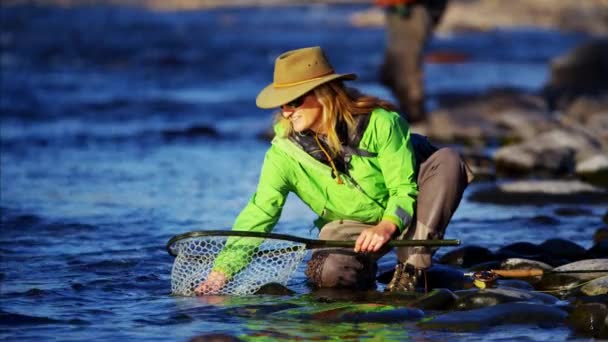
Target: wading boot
{"x":406,"y":279}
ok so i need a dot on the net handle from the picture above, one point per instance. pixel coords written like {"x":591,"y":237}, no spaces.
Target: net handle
{"x":309,"y":243}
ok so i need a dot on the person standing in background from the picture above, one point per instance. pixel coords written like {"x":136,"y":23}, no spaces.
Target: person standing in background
{"x":409,"y":26}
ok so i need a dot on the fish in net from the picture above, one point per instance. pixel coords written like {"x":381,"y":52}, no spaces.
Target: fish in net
{"x":249,"y":262}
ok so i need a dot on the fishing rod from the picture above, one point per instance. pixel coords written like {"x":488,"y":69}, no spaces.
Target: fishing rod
{"x":308,"y":243}
{"x":483,"y":279}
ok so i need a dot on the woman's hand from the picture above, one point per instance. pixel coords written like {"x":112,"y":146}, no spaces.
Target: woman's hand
{"x":212,"y":285}
{"x":372,"y":239}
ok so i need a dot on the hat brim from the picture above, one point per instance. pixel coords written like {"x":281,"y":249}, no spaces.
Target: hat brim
{"x":271,"y":97}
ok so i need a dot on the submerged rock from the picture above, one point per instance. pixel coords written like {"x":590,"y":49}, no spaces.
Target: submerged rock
{"x":480,"y":298}
{"x":335,"y":295}
{"x":215,"y":338}
{"x":357,"y":313}
{"x":274,"y":289}
{"x":509,"y":313}
{"x":438,"y":299}
{"x":376,"y":313}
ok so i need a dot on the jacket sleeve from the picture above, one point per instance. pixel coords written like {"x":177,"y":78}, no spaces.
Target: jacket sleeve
{"x":397,"y":164}
{"x":260,"y":215}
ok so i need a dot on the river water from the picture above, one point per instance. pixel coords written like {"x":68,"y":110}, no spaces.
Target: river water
{"x":122,"y":127}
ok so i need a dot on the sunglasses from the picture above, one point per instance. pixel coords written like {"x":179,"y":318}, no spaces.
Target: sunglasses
{"x":295,"y":103}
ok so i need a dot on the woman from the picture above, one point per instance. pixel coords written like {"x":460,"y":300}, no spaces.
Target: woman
{"x":352,"y":160}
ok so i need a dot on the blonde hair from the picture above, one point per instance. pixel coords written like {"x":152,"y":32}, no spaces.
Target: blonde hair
{"x":339,"y":102}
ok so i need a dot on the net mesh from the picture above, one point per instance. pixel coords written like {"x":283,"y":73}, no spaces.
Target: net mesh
{"x":249,"y":262}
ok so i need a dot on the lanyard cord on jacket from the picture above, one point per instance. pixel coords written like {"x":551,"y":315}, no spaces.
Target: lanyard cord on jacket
{"x":317,"y":147}
{"x":329,"y":159}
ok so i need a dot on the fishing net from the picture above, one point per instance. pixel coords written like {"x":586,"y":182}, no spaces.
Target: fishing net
{"x":250,"y":262}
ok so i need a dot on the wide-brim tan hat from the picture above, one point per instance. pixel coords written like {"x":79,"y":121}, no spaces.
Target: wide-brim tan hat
{"x":296,"y":73}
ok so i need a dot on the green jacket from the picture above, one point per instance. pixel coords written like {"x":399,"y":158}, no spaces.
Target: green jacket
{"x":379,"y":186}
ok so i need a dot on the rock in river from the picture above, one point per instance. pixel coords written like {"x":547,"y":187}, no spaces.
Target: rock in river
{"x":509,"y":313}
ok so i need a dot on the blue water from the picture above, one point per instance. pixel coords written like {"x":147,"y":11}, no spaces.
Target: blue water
{"x":100,"y":165}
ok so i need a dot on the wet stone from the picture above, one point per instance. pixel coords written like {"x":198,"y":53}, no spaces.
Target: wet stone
{"x":560,"y":248}
{"x":563,"y":284}
{"x":438,"y":299}
{"x":568,"y":282}
{"x":520,"y":250}
{"x":588,"y":264}
{"x":509,"y":313}
{"x":274,"y":289}
{"x":467,"y":256}
{"x":525,"y":248}
{"x":479,"y":298}
{"x":588,"y":319}
{"x":215,"y":338}
{"x":378,"y":314}
{"x":485,"y":266}
{"x":443,"y":276}
{"x":596,"y":287}
{"x":516,"y":284}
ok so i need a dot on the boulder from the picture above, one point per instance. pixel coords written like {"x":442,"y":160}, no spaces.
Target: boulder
{"x":568,"y":282}
{"x":467,"y":256}
{"x":497,"y":116}
{"x":520,"y":251}
{"x":508,"y":313}
{"x":588,"y":319}
{"x":590,"y":112}
{"x":554,"y":153}
{"x":596,"y":287}
{"x":563,"y":249}
{"x":583,"y":70}
{"x":531,"y":192}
